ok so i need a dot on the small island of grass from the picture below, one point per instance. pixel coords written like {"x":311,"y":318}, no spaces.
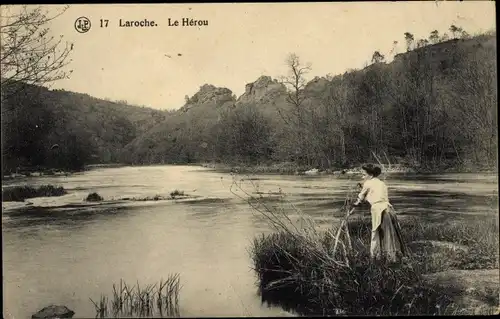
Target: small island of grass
{"x":20,"y":193}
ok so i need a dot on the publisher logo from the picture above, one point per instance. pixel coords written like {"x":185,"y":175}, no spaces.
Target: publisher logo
{"x":82,"y":24}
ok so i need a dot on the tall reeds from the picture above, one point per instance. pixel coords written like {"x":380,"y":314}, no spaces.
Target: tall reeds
{"x":160,"y":300}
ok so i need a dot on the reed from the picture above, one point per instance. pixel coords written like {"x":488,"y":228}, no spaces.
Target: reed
{"x":160,"y":300}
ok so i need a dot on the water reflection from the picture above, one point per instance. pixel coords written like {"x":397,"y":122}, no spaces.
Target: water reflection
{"x":58,"y":217}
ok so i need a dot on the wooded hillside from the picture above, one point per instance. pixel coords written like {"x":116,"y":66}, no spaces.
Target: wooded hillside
{"x":434,"y":106}
{"x":42,"y":128}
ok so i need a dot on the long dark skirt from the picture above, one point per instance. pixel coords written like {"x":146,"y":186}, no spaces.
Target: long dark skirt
{"x":387,"y":240}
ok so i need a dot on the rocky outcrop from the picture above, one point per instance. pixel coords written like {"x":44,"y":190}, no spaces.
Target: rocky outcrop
{"x":53,"y":311}
{"x":209,"y":94}
{"x":317,"y":85}
{"x":263,"y":90}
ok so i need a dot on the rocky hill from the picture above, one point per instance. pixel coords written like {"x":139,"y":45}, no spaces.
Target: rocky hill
{"x":208,"y":96}
{"x":263,"y":91}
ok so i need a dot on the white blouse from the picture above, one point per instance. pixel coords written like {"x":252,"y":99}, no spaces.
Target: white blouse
{"x":375,"y":192}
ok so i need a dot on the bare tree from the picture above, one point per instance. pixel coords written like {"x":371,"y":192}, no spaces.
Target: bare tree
{"x":422,"y":43}
{"x":295,"y":83}
{"x":377,"y":57}
{"x":454,"y":29}
{"x":29,"y":54}
{"x":394,"y":48}
{"x":434,"y":37}
{"x":409,"y":40}
{"x":465,"y":35}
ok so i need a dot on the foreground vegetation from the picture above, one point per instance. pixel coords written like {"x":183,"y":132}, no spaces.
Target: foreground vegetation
{"x":301,"y":272}
{"x":158,"y":300}
{"x":330,"y":272}
{"x":20,"y":193}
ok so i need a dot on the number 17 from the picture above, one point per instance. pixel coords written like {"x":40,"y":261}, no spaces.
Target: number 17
{"x":105,"y":23}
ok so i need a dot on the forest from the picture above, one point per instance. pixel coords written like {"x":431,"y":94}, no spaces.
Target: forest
{"x":432,"y":107}
{"x":46,"y":129}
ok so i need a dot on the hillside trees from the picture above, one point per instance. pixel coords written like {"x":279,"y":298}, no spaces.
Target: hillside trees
{"x":409,"y":40}
{"x":434,"y":37}
{"x":334,"y":124}
{"x":415,"y":95}
{"x":475,"y":98}
{"x":377,"y":57}
{"x":41,"y":132}
{"x":244,"y":136}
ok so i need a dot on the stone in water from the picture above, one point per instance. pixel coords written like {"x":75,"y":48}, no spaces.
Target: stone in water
{"x":52,"y":312}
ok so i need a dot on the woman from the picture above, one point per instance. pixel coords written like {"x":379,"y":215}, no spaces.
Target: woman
{"x":386,"y":239}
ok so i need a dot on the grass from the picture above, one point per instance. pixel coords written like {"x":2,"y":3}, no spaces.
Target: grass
{"x":299,"y":268}
{"x":20,"y":193}
{"x":158,"y":300}
{"x":301,"y":272}
{"x":479,"y":237}
{"x":94,"y":197}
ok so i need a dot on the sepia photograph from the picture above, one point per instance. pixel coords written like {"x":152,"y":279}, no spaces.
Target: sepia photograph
{"x":166,"y":160}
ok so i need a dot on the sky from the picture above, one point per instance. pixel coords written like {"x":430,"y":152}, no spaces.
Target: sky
{"x":240,"y":43}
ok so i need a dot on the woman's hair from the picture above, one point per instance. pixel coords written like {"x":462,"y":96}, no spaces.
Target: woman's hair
{"x":372,"y":170}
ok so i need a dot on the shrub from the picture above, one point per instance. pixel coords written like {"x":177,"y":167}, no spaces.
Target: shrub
{"x":94,"y":197}
{"x":20,"y":193}
{"x":176,"y":193}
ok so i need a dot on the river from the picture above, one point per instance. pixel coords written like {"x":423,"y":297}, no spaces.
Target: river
{"x":55,"y":252}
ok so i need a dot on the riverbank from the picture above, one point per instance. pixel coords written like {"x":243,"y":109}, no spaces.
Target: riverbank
{"x":293,"y":169}
{"x":285,"y":168}
{"x":24,"y":172}
{"x":450,"y":269}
